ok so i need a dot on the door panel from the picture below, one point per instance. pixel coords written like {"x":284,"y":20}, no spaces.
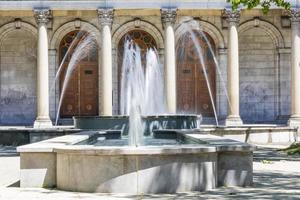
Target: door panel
{"x":88,"y":89}
{"x":192,"y":89}
{"x":81,"y":95}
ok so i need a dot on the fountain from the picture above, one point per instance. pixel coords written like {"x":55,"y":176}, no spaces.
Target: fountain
{"x":144,"y":150}
{"x":142,"y":102}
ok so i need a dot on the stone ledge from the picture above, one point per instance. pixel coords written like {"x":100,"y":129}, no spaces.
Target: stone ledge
{"x":67,"y":144}
{"x":148,"y":169}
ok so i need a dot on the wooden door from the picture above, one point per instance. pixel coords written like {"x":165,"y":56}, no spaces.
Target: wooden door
{"x":192,"y":89}
{"x":81,"y":94}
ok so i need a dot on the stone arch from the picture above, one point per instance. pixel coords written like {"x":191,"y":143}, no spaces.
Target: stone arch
{"x":7,"y":28}
{"x":207,"y":27}
{"x":71,"y":26}
{"x":18,"y":41}
{"x":269,"y":28}
{"x":58,"y":35}
{"x":258,"y":71}
{"x":138,"y":24}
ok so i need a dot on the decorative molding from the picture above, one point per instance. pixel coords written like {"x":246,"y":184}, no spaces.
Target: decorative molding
{"x":131,"y":25}
{"x":7,"y":28}
{"x":137,"y":22}
{"x":207,"y":27}
{"x":284,"y":50}
{"x":106,"y":16}
{"x":18,"y":23}
{"x":231,"y":16}
{"x":61,"y":31}
{"x":168,"y":16}
{"x":42,"y":15}
{"x":77,"y":23}
{"x":256,"y":22}
{"x":266,"y":26}
{"x":222,"y":51}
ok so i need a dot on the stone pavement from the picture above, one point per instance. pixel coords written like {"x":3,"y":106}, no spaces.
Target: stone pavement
{"x":276,"y":176}
{"x":9,"y":165}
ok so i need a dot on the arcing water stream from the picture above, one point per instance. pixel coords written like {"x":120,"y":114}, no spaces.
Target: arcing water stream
{"x":142,"y":87}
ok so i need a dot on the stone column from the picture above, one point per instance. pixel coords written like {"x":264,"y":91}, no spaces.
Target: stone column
{"x":106,"y":18}
{"x":168,"y":17}
{"x":233,"y":118}
{"x":42,"y":17}
{"x":294,"y":120}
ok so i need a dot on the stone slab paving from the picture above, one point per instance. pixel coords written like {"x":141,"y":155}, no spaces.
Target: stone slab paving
{"x":276,"y":176}
{"x":9,"y":165}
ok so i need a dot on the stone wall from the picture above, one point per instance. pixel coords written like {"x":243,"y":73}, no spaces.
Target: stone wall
{"x":18,"y":78}
{"x":258,"y":76}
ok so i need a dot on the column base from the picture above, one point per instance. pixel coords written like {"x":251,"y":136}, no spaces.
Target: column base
{"x":42,"y":123}
{"x":294,"y":121}
{"x":233,"y":121}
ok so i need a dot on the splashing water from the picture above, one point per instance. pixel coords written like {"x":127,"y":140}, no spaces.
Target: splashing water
{"x":82,"y":49}
{"x":141,"y":90}
{"x":223,"y":85}
{"x":191,"y":27}
{"x":60,"y":68}
{"x":200,"y":54}
{"x":154,"y":85}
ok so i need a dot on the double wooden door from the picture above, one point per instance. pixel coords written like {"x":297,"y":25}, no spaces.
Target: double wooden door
{"x":192,"y":86}
{"x":81,"y":94}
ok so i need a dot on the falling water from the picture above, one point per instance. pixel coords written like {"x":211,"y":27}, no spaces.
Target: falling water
{"x":82,"y":49}
{"x":141,"y":90}
{"x":60,"y":68}
{"x":200,"y":54}
{"x":215,"y":61}
{"x":191,"y":26}
{"x":154,"y":85}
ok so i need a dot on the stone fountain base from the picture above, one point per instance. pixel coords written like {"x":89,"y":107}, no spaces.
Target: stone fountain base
{"x":148,"y":169}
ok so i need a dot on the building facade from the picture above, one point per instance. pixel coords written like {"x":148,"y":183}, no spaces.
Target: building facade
{"x":258,"y":58}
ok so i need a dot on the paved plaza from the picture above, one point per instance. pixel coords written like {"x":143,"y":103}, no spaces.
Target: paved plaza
{"x":276,"y":176}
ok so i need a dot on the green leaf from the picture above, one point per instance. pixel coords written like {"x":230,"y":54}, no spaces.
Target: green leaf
{"x":265,"y":4}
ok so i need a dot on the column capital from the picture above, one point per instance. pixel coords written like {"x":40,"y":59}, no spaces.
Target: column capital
{"x":294,"y":14}
{"x":106,"y":16}
{"x":232,"y":16}
{"x":42,"y":15}
{"x":168,"y":16}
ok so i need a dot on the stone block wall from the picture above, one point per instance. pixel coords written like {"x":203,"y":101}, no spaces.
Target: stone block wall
{"x":258,"y":76}
{"x":18,"y":78}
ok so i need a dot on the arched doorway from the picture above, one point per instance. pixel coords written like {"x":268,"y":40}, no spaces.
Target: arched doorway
{"x":81,"y":95}
{"x":192,"y":90}
{"x":143,"y":39}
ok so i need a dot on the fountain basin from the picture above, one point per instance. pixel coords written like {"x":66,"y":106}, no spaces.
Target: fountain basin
{"x":121,"y":122}
{"x":64,"y":162}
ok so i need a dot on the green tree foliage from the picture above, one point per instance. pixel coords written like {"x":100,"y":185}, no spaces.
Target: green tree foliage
{"x":265,"y":4}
